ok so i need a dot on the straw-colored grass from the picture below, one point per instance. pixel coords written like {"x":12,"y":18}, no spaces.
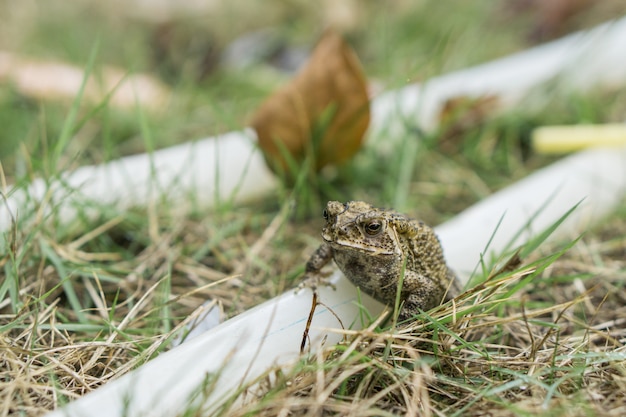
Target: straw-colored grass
{"x":547,"y":336}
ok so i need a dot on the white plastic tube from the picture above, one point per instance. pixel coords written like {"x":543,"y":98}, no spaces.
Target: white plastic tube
{"x":594,"y":179}
{"x":239,"y":349}
{"x":582,"y":61}
{"x":223,"y":168}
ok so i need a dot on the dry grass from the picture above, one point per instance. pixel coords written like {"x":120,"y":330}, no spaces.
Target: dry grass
{"x":79,"y":310}
{"x":547,"y":337}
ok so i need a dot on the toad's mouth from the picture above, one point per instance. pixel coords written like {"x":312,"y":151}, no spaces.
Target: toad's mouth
{"x":348,"y":245}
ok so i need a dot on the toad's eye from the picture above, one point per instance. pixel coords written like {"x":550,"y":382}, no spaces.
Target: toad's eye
{"x":325,"y":214}
{"x":374,"y":227}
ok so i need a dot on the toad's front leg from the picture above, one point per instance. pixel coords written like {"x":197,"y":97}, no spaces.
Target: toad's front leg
{"x":313,"y":275}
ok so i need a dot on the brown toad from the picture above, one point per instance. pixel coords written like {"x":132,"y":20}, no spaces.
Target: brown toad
{"x":375,"y":247}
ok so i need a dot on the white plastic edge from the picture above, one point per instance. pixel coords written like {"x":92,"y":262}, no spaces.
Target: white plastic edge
{"x":594,"y":179}
{"x":226,"y":167}
{"x":579,"y":61}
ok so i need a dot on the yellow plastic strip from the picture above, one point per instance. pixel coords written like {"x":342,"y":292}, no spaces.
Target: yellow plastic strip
{"x":563,"y":139}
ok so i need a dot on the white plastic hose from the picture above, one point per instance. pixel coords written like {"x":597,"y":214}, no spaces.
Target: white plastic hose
{"x":222,"y":168}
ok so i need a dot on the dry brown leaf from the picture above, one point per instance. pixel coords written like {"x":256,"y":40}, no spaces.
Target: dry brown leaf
{"x":328,"y":98}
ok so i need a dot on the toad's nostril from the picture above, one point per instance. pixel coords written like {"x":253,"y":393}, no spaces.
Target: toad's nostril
{"x":343,"y":230}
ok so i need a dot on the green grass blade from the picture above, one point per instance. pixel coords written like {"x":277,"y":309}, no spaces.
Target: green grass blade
{"x":69,"y":126}
{"x":534,"y":243}
{"x":66,"y":281}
